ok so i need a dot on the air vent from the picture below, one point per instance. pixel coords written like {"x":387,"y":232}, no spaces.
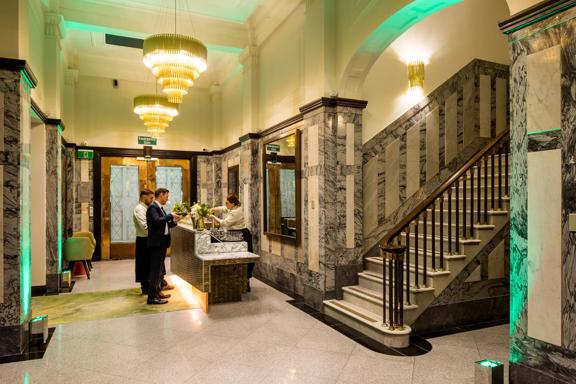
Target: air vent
{"x":124,"y":41}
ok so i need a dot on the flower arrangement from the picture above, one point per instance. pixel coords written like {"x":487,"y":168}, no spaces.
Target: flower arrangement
{"x":182,"y":208}
{"x":201,"y":210}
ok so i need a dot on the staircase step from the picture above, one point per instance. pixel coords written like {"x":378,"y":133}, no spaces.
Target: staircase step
{"x":378,"y":277}
{"x":368,"y":323}
{"x":370,"y":299}
{"x":377,"y":260}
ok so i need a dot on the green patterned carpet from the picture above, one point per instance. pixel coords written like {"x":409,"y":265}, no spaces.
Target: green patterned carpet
{"x":68,"y":308}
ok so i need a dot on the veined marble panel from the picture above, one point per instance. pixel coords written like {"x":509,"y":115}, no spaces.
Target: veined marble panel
{"x":1,"y":121}
{"x":485,"y":106}
{"x":451,"y":128}
{"x":313,"y":146}
{"x":496,"y":263}
{"x":501,"y":104}
{"x":350,"y":216}
{"x":469,"y":111}
{"x":313,"y":224}
{"x":413,"y":160}
{"x":276,"y":246}
{"x":370,"y":183}
{"x":432,"y":143}
{"x":544,"y":90}
{"x":392,"y":177}
{"x":2,"y":234}
{"x":544,"y":246}
{"x":350,"y":144}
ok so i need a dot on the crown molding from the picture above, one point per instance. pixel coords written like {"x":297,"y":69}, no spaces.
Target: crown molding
{"x":333,"y":102}
{"x":19,"y":65}
{"x":534,"y":14}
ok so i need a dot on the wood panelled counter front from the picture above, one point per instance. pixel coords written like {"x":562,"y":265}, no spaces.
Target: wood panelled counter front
{"x":216,"y":271}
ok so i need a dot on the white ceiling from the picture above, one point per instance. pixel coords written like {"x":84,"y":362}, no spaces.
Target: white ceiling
{"x":220,"y":24}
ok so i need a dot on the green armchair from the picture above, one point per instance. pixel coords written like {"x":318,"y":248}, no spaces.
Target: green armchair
{"x":90,"y":237}
{"x":78,"y":249}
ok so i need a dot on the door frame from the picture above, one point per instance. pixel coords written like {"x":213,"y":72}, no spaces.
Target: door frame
{"x":100,"y":152}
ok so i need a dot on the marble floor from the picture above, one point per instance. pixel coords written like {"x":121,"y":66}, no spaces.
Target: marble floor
{"x":263,"y":339}
{"x":109,"y":275}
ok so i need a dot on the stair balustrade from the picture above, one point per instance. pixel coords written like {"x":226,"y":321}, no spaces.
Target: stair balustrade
{"x":473,"y":178}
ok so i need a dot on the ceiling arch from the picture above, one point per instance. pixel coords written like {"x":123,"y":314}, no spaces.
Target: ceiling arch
{"x":381,"y":37}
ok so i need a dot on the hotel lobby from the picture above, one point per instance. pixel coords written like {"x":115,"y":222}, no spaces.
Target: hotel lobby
{"x":287,"y":191}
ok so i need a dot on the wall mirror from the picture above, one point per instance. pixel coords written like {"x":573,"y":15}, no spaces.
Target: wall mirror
{"x":281,"y":171}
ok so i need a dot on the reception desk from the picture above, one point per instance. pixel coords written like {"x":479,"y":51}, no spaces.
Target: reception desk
{"x":217,"y":271}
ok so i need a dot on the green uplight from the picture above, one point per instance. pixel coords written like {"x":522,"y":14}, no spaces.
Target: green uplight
{"x":25,"y":243}
{"x":28,"y":81}
{"x":59,"y":204}
{"x":543,"y":131}
{"x":402,"y":20}
{"x":489,"y":363}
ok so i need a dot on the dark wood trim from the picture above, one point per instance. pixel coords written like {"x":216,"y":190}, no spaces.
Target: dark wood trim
{"x":534,"y":14}
{"x":298,"y":176}
{"x":227,"y":149}
{"x":279,"y":159}
{"x":249,"y":136}
{"x":283,"y":124}
{"x":19,"y":65}
{"x":38,"y":290}
{"x":417,"y":211}
{"x":44,"y":117}
{"x":96,"y":206}
{"x":194,"y":179}
{"x":136,"y":152}
{"x":333,"y":102}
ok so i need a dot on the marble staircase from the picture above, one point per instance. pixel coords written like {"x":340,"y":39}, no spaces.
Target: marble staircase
{"x":362,"y":306}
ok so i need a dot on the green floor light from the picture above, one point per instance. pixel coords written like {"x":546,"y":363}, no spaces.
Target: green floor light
{"x":489,"y":372}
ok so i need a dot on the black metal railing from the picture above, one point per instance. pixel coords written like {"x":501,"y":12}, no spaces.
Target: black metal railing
{"x":469,"y":193}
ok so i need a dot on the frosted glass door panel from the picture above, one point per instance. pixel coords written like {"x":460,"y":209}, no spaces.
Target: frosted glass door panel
{"x":171,"y":179}
{"x":124,"y":194}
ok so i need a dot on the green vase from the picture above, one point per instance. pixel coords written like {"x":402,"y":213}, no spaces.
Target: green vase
{"x":200,"y":224}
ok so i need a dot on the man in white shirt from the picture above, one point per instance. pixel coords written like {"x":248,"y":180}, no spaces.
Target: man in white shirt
{"x":142,"y":256}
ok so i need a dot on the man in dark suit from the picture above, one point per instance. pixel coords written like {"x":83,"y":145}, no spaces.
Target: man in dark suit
{"x":159,"y":224}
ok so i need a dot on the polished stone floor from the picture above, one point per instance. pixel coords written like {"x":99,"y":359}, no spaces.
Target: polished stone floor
{"x":263,"y":339}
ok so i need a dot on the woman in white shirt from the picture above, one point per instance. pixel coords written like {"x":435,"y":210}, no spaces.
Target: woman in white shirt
{"x":234,"y":221}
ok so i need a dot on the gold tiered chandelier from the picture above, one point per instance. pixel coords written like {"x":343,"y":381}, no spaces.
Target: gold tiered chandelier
{"x":156,"y":112}
{"x":175,"y":60}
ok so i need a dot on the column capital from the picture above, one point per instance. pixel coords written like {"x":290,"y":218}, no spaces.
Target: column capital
{"x":54,"y":25}
{"x":249,"y":55}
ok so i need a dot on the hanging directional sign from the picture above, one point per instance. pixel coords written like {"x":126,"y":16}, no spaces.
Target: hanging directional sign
{"x":145,"y":140}
{"x":85,"y":154}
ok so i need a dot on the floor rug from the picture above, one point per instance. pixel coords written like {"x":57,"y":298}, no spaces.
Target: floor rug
{"x":68,"y":308}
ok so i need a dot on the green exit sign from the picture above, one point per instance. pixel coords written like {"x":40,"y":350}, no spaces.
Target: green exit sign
{"x":273,"y":148}
{"x":145,"y":140}
{"x":85,"y":154}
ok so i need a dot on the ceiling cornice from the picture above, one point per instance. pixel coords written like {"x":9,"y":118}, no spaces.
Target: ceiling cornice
{"x":268,"y":17}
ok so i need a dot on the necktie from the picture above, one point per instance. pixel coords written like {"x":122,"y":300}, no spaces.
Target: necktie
{"x":163,"y":211}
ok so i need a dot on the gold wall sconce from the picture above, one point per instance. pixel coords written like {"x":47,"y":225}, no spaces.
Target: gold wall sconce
{"x":416,"y":76}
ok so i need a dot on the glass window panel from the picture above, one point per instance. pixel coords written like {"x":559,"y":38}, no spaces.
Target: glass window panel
{"x":124,"y":193}
{"x":288,"y":195}
{"x":171,"y":179}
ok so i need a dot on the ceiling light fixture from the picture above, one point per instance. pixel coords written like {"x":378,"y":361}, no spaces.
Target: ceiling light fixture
{"x":156,"y":112}
{"x":175,"y":60}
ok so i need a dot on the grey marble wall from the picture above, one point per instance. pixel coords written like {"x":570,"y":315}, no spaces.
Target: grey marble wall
{"x":53,"y":183}
{"x":542,"y":361}
{"x":399,"y":174}
{"x":70,"y":202}
{"x":15,"y":205}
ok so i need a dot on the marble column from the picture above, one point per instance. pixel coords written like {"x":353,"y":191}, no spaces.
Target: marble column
{"x":16,"y":81}
{"x":250,"y":186}
{"x":542,"y":190}
{"x":53,"y":205}
{"x":332,"y":189}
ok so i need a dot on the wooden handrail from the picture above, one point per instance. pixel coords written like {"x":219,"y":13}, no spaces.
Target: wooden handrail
{"x":398,"y":228}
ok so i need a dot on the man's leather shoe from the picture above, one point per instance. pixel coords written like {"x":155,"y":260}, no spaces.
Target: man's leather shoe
{"x":167,"y":287}
{"x":157,"y":301}
{"x":163,"y":296}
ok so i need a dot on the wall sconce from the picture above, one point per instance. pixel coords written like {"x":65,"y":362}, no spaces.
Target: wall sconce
{"x":416,"y":76}
{"x":291,"y":141}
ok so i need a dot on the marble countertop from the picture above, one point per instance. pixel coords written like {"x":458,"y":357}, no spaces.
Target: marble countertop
{"x":227,"y":255}
{"x":187,"y":227}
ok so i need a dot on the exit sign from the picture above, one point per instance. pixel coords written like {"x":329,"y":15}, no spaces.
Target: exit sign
{"x":85,"y":154}
{"x":145,"y":140}
{"x":273,"y":148}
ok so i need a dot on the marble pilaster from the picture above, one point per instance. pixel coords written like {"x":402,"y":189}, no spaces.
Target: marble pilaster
{"x":53,"y":207}
{"x":542,"y":122}
{"x":15,"y":223}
